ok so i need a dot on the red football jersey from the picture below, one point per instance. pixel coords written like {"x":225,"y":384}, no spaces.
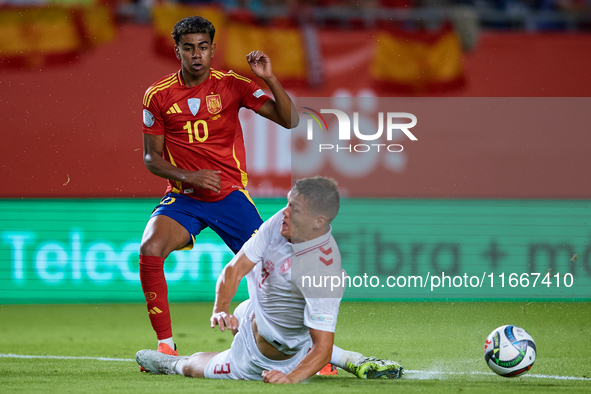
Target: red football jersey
{"x":201,"y":127}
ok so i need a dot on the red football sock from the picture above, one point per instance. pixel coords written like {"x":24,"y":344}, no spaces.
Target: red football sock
{"x":156,"y":293}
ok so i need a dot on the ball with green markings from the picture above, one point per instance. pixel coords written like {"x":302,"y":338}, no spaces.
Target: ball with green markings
{"x":509,"y":351}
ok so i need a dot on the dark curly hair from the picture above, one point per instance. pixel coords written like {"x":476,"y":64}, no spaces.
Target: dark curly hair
{"x":190,"y":25}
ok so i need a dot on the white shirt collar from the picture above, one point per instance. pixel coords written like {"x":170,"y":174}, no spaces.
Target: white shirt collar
{"x":313,"y":243}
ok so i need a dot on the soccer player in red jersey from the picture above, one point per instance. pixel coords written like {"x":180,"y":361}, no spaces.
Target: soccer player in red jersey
{"x":192,"y":137}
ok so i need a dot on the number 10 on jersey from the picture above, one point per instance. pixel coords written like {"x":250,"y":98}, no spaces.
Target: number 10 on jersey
{"x":194,"y":132}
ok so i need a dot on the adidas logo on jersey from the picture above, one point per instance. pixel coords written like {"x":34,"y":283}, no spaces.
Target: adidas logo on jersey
{"x":175,"y":109}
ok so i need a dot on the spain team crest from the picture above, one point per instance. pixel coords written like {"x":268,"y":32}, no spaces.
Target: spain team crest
{"x":214,"y":103}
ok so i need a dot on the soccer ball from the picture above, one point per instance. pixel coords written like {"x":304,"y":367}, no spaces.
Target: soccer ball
{"x":509,"y":351}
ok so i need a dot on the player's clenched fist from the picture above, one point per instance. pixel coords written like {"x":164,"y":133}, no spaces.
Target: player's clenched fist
{"x":224,"y":320}
{"x":260,"y":64}
{"x":206,"y":179}
{"x":275,"y":376}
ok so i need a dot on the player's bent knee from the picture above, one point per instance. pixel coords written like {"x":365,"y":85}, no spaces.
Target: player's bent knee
{"x":191,"y":370}
{"x":197,"y":363}
{"x":153,"y":247}
{"x":162,"y":235}
{"x":191,"y":373}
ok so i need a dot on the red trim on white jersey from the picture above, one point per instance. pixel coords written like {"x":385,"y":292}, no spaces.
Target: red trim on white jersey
{"x":311,"y":248}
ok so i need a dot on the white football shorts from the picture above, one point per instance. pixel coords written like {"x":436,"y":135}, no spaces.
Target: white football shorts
{"x":244,"y":360}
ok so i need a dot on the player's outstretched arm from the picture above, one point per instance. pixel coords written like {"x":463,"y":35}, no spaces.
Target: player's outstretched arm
{"x":226,"y":288}
{"x":153,"y":146}
{"x":316,"y":358}
{"x":281,"y":110}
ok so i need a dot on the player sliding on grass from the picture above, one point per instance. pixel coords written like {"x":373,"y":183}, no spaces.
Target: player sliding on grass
{"x":285,"y":332}
{"x":192,"y":137}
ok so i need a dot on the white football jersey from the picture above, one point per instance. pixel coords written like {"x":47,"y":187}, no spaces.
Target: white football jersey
{"x":284,"y":318}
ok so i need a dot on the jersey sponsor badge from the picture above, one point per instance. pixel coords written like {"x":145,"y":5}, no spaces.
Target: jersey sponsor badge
{"x":322,"y":318}
{"x":258,"y":93}
{"x":214,"y":103}
{"x":194,"y":104}
{"x":148,"y":118}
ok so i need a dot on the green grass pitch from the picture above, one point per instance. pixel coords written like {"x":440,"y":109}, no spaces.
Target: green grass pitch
{"x":440,"y":344}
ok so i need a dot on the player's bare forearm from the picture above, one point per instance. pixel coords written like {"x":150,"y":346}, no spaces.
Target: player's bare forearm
{"x":287,"y":114}
{"x":155,"y":163}
{"x":226,"y":288}
{"x":281,"y":110}
{"x":316,"y":358}
{"x":162,"y":168}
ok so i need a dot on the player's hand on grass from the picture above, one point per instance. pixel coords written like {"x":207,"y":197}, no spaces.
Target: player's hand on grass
{"x":206,"y":179}
{"x":260,"y":64}
{"x":224,"y":320}
{"x":275,"y":376}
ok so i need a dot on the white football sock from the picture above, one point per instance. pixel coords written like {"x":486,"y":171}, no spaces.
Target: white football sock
{"x":167,"y":341}
{"x":341,"y":357}
{"x":178,"y":367}
{"x":336,"y":354}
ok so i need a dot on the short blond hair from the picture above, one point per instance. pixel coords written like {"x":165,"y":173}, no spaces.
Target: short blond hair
{"x":321,"y":195}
